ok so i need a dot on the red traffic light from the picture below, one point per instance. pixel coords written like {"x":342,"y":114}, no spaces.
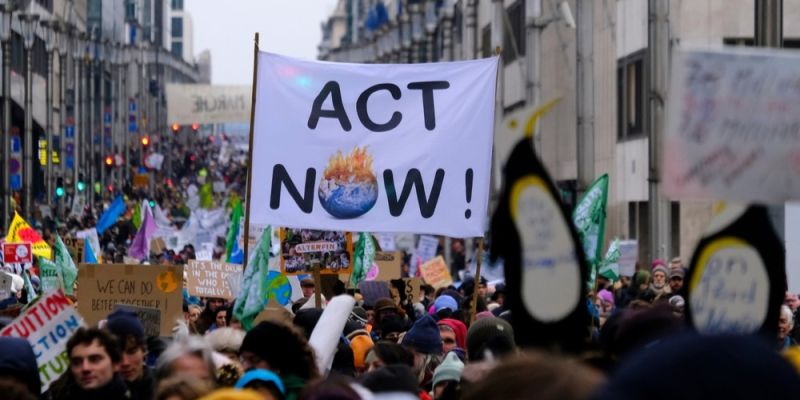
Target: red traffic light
{"x":145,"y":141}
{"x":175,"y":128}
{"x":110,"y":188}
{"x":195,"y":127}
{"x":109,"y":161}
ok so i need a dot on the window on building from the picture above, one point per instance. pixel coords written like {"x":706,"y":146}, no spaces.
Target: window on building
{"x":177,"y":27}
{"x":486,"y":41}
{"x":177,"y":49}
{"x":675,"y":230}
{"x":792,"y":43}
{"x":177,"y":4}
{"x":639,"y":226}
{"x":631,"y":97}
{"x":516,"y":20}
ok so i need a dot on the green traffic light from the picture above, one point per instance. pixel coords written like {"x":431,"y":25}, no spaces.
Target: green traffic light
{"x":81,"y":186}
{"x":152,"y":204}
{"x":60,"y":191}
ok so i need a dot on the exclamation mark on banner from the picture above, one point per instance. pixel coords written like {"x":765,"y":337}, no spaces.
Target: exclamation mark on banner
{"x":468,"y":182}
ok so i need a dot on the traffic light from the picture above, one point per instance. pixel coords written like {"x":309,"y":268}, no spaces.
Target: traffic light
{"x":109,"y":161}
{"x":81,"y":184}
{"x":176,"y":128}
{"x":145,"y":141}
{"x":152,"y":204}
{"x":59,"y":187}
{"x":195,"y":127}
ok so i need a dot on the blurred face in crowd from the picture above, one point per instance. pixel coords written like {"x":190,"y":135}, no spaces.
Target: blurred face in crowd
{"x":482,"y":290}
{"x":194,"y":314}
{"x":221,"y":318}
{"x":373,"y":362}
{"x":448,"y":338}
{"x":659,"y":279}
{"x":784,"y":326}
{"x":675,"y":283}
{"x":132,"y":363}
{"x":371,"y":317}
{"x":792,"y":301}
{"x":193,"y":365}
{"x":91,"y":366}
{"x":625,"y":281}
{"x":214,"y":304}
{"x":308,"y":290}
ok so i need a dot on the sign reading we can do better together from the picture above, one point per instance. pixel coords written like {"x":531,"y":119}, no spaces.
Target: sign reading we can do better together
{"x":373,"y":148}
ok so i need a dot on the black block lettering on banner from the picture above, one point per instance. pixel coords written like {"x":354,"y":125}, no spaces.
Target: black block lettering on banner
{"x":427,"y":206}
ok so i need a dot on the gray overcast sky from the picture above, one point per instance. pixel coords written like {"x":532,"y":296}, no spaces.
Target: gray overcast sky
{"x":289,"y":27}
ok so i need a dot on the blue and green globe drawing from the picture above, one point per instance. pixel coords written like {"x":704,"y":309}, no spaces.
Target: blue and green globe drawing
{"x":349,"y":188}
{"x":277,"y":286}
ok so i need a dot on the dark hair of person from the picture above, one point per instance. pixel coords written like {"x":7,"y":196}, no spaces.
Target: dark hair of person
{"x":87,"y":336}
{"x":393,"y":353}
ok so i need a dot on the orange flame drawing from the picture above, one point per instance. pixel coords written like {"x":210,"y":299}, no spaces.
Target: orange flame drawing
{"x":355,"y":167}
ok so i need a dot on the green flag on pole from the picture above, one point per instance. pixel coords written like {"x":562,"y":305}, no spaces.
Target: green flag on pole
{"x":609,"y":267}
{"x":233,"y":229}
{"x":249,"y":301}
{"x":66,"y":265}
{"x":589,"y":218}
{"x":363,"y":258}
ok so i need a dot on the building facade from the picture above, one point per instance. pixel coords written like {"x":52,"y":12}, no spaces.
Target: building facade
{"x":593,"y":55}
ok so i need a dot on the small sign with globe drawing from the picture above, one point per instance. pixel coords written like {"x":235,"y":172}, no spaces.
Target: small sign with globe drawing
{"x":302,"y":249}
{"x":17,"y":253}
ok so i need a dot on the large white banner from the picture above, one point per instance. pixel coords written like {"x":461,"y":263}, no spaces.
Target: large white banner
{"x":373,"y":148}
{"x":733,"y":128}
{"x":208,"y":104}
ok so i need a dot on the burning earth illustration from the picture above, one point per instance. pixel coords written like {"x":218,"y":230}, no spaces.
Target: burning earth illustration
{"x":348,"y":188}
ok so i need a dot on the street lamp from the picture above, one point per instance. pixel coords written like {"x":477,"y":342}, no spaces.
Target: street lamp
{"x":50,"y":34}
{"x":28,"y":26}
{"x":5,"y":35}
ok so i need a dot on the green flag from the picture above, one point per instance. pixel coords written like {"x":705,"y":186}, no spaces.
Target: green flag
{"x":50,"y":278}
{"x":609,"y":267}
{"x":233,"y":229}
{"x":589,"y":218}
{"x":249,"y":301}
{"x":66,"y":265}
{"x":363,"y":258}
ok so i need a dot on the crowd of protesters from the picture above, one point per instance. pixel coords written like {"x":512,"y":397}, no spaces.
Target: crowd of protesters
{"x":433,"y":347}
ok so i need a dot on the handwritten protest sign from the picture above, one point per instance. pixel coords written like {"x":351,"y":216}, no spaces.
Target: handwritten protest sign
{"x":149,"y":317}
{"x":436,"y":273}
{"x":48,"y":325}
{"x":209,"y":278}
{"x":153,"y":286}
{"x":732,"y":126}
{"x":406,"y":290}
{"x":75,"y":247}
{"x":628,"y":255}
{"x":373,"y":129}
{"x":301,"y":249}
{"x":729,"y":289}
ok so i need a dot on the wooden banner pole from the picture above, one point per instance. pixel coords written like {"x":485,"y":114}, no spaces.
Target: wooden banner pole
{"x":474,"y":309}
{"x":250,"y":158}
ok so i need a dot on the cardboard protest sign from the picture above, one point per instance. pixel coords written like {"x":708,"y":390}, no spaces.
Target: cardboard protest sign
{"x":157,"y":245}
{"x":152,"y":286}
{"x":209,"y":278}
{"x":47,"y":325}
{"x":75,"y":247}
{"x":737,"y":277}
{"x":732,"y":120}
{"x":628,"y":255}
{"x":389,"y":266}
{"x":141,"y":180}
{"x":301,"y":249}
{"x":371,"y":291}
{"x":436,"y":273}
{"x":372,"y":129}
{"x":149,"y":317}
{"x":17,"y":253}
{"x":406,"y":290}
{"x":386,"y":241}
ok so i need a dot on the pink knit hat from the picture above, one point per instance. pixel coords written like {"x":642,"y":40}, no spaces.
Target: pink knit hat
{"x":606,"y":296}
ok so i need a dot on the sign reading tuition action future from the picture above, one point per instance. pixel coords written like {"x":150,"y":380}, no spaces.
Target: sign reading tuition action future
{"x":379,"y":148}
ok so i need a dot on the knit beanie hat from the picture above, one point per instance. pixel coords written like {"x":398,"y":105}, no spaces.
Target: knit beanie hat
{"x":424,"y":336}
{"x":392,"y":324}
{"x":606,"y":296}
{"x":449,"y":370}
{"x":262,"y":375}
{"x":443,"y":302}
{"x":459,"y":328}
{"x":676,"y":272}
{"x":641,"y":277}
{"x":124,"y":323}
{"x":494,"y":334}
{"x":384,"y":303}
{"x":18,"y":362}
